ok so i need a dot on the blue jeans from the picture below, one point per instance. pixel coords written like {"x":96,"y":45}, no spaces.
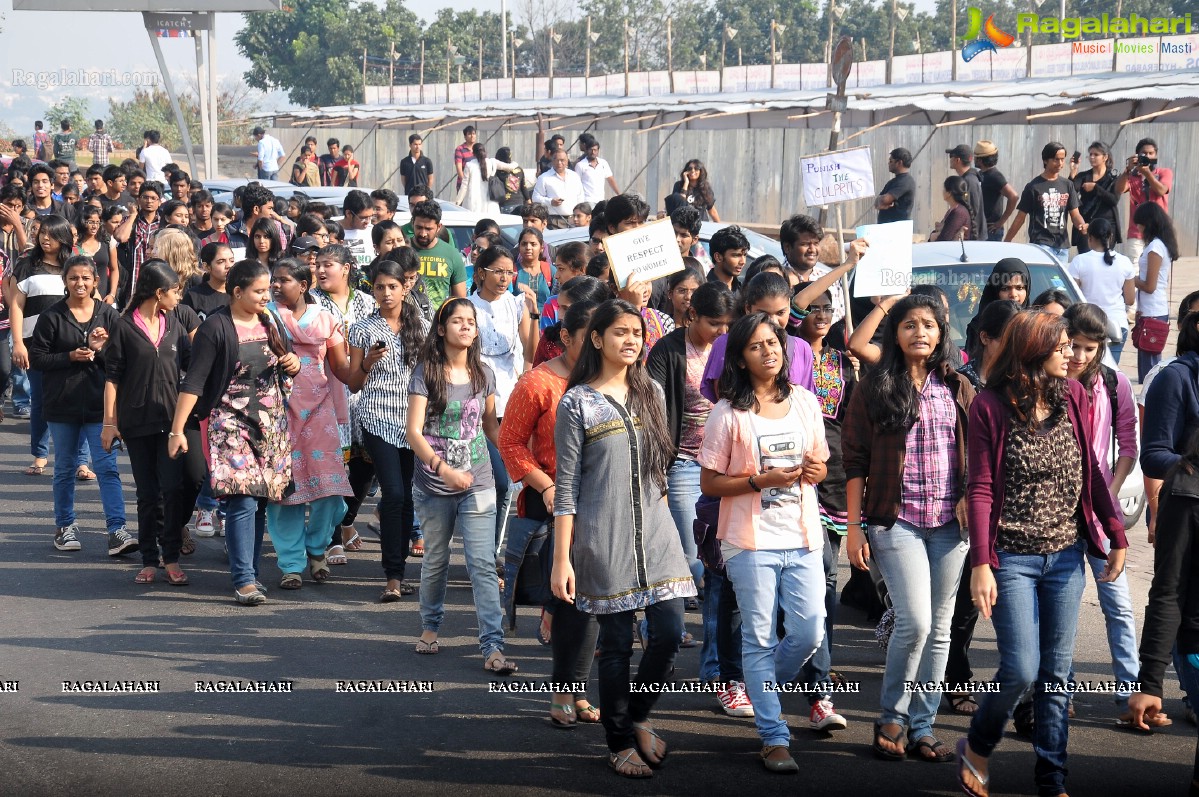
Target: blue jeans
{"x":767,"y":581}
{"x":1118,"y":348}
{"x":682,"y":492}
{"x":1035,"y":619}
{"x":1116,"y":603}
{"x":922,"y":568}
{"x":245,"y":523}
{"x":709,"y":660}
{"x":263,"y":174}
{"x":1061,"y":255}
{"x":205,"y":500}
{"x":39,"y":432}
{"x":1145,"y":360}
{"x":816,"y":670}
{"x":472,"y":515}
{"x":997,"y":235}
{"x":503,"y":498}
{"x":68,"y":437}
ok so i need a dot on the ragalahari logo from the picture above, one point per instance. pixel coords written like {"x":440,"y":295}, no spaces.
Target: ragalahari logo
{"x":981,"y":38}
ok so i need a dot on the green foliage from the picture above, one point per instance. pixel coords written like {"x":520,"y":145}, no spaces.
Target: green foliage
{"x":151,"y":110}
{"x":76,"y":109}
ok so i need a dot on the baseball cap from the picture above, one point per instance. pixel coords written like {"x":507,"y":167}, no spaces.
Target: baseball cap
{"x":305,"y":243}
{"x":985,"y":149}
{"x":961,"y":152}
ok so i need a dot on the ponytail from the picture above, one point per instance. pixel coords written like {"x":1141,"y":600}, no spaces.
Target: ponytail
{"x":1104,"y":232}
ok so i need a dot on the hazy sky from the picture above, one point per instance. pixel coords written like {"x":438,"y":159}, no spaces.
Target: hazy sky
{"x":42,"y":50}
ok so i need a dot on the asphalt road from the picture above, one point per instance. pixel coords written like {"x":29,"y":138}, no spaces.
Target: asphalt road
{"x":78,"y":616}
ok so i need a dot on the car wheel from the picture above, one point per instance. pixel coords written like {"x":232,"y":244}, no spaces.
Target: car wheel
{"x":1133,"y":508}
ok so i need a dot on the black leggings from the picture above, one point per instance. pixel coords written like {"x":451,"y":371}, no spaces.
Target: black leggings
{"x":361,"y":472}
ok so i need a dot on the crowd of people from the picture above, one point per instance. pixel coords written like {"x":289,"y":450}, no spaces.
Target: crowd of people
{"x":621,"y":455}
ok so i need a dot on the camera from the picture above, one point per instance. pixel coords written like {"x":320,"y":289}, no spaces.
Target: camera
{"x":1145,"y":160}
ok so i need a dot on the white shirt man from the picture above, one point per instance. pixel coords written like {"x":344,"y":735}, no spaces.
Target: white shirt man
{"x":153,"y":158}
{"x":594,"y":172}
{"x":559,"y":190}
{"x":270,"y":154}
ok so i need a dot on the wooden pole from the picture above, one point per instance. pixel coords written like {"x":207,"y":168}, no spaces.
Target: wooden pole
{"x":480,"y":68}
{"x":670,"y":51}
{"x":724,"y":45}
{"x":364,"y":100}
{"x":773,"y":57}
{"x":891,"y":47}
{"x":587,"y":65}
{"x":828,"y":53}
{"x":626,"y":58}
{"x":422,"y":71}
{"x":551,"y":68}
{"x":513,"y":66}
{"x":449,"y":73}
{"x":391,"y":75}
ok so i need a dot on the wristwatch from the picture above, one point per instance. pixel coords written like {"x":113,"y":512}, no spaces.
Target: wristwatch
{"x":754,"y":485}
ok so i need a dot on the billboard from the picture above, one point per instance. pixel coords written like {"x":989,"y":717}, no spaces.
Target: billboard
{"x":194,"y":6}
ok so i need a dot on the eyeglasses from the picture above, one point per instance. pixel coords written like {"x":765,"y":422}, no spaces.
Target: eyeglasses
{"x":826,"y":309}
{"x":500,"y":273}
{"x":1065,"y":349}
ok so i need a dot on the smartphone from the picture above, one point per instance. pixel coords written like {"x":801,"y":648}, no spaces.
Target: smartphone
{"x":380,"y":345}
{"x":1076,"y":157}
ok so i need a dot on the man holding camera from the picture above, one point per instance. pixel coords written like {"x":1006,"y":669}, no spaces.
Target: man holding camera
{"x":1144,"y":181}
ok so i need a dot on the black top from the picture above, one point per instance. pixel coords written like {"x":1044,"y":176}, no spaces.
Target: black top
{"x":1099,"y":203}
{"x":72,"y":392}
{"x":974,"y":185}
{"x":903,"y":188}
{"x":993,"y":184}
{"x":691,"y":197}
{"x":204,"y":300}
{"x":667,"y":365}
{"x":415,"y":172}
{"x":146,"y":376}
{"x":1048,"y":204}
{"x":214,"y":360}
{"x":124,"y":200}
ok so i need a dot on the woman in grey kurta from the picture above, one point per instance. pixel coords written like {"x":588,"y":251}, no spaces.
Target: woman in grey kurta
{"x":617,"y":549}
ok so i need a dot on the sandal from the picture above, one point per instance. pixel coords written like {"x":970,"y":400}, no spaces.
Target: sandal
{"x":417,"y":549}
{"x":651,"y":757}
{"x":352,"y":544}
{"x":319,"y":569}
{"x":589,"y":714}
{"x":291,"y":581}
{"x":188,"y":546}
{"x":543,"y":630}
{"x":624,"y":765}
{"x":963,"y":765}
{"x":145,"y":576}
{"x":496,"y":664}
{"x":176,"y":577}
{"x":885,"y":753}
{"x":962,"y":703}
{"x":567,"y":711}
{"x":336,"y":555}
{"x":84,"y":474}
{"x":427,"y":648}
{"x":941,"y":754}
{"x":36,"y":469}
{"x":688,"y":641}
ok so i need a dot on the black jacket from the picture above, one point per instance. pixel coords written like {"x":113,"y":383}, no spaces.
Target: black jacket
{"x":1172,"y":613}
{"x":214,"y":360}
{"x":72,"y":392}
{"x":146,"y":376}
{"x":667,"y":366}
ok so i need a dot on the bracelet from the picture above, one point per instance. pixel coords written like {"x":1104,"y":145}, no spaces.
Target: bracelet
{"x":754,"y":485}
{"x":109,"y":426}
{"x":857,"y":523}
{"x":176,"y":434}
{"x":546,"y":490}
{"x":363,"y":368}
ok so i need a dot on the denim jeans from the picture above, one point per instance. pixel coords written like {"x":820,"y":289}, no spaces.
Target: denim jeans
{"x":67,"y":437}
{"x":767,"y":581}
{"x":1145,"y":360}
{"x":394,"y":468}
{"x":1118,"y":348}
{"x":503,"y":498}
{"x":682,"y":492}
{"x":995,"y":235}
{"x":573,"y":635}
{"x":204,"y":500}
{"x":39,"y":432}
{"x":1061,"y":255}
{"x":620,"y":707}
{"x":816,"y":670}
{"x":1035,"y":619}
{"x":263,"y":174}
{"x":297,"y":538}
{"x":1118,"y":616}
{"x":961,"y":632}
{"x":922,"y":568}
{"x":245,"y":523}
{"x":5,"y":361}
{"x":21,"y":398}
{"x":472,"y":515}
{"x":709,"y":659}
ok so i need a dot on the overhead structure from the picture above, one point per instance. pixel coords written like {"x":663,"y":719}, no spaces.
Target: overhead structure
{"x":183,"y":19}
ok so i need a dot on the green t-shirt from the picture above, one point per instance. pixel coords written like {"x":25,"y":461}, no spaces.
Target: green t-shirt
{"x":64,"y":146}
{"x":441,"y":267}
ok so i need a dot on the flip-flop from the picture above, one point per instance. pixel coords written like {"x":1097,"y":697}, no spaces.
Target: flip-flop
{"x":176,"y":579}
{"x":352,"y":544}
{"x":145,"y":576}
{"x":882,"y":752}
{"x":542,"y":636}
{"x":655,"y":738}
{"x":319,"y":569}
{"x":498,"y":665}
{"x":35,"y":470}
{"x":427,"y":648}
{"x":84,"y":474}
{"x":964,"y":762}
{"x":336,"y":556}
{"x":916,"y":750}
{"x":616,"y":761}
{"x":417,"y":549}
{"x":568,"y":711}
{"x":964,"y":704}
{"x":589,"y":714}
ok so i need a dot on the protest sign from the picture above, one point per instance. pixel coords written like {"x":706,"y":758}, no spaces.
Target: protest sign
{"x":643,"y":254}
{"x":837,"y":176}
{"x":886,"y":268}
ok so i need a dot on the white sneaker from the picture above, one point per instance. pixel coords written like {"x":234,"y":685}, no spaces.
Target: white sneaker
{"x":205,"y":523}
{"x":735,"y":701}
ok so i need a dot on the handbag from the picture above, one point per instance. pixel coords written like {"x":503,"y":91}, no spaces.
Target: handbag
{"x":497,"y":188}
{"x":1149,"y":334}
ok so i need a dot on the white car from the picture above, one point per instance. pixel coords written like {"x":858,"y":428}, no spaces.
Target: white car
{"x":758,"y":244}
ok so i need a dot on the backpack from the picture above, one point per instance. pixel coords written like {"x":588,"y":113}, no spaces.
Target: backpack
{"x":533,"y":579}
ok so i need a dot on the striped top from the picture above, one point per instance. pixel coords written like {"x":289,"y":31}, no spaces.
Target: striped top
{"x":42,"y":287}
{"x":382,"y":405}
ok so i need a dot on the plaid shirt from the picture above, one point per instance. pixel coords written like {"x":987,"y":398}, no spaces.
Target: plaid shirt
{"x":142,"y":245}
{"x":99,"y":144}
{"x":930,"y":488}
{"x":880,"y":456}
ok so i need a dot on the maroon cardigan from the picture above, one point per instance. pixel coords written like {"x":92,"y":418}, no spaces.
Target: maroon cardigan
{"x":987,"y":431}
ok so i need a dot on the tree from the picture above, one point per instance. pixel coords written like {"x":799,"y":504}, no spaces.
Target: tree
{"x":77,"y":109}
{"x":151,"y":110}
{"x":314,"y":51}
{"x":465,"y":29}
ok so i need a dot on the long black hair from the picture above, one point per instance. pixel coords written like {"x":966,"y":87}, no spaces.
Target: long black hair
{"x":59,"y":229}
{"x":766,"y":285}
{"x":1156,"y":224}
{"x":244,"y":274}
{"x":435,"y":361}
{"x":267,"y":226}
{"x":645,"y":397}
{"x":991,"y":321}
{"x":155,"y":275}
{"x":891,"y":398}
{"x":396,"y":264}
{"x":1088,"y":321}
{"x":299,"y":271}
{"x":1104,"y":232}
{"x":712,"y":300}
{"x":577,"y":290}
{"x":735,"y":385}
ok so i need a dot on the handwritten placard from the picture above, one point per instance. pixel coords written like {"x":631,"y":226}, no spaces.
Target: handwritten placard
{"x":643,"y":254}
{"x":886,"y":268}
{"x":837,"y":176}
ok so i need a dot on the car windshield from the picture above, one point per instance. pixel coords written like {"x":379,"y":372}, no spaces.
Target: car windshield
{"x":963,"y":283}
